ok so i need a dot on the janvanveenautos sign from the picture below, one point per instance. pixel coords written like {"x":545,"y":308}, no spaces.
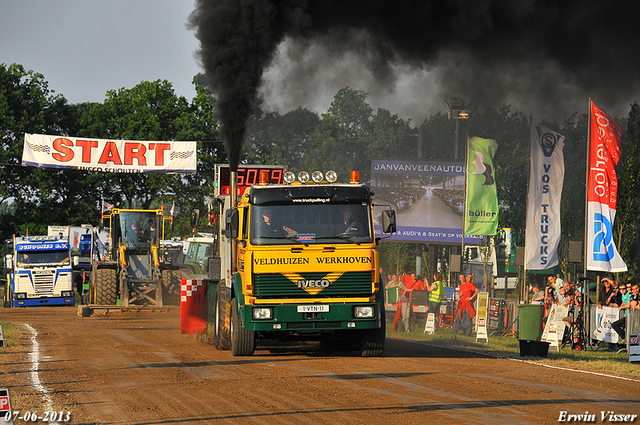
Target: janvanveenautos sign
{"x":428,"y":197}
{"x":109,"y":156}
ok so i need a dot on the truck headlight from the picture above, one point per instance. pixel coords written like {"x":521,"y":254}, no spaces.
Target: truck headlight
{"x":21,"y":295}
{"x":67,"y":293}
{"x":262,"y":313}
{"x":363,"y":312}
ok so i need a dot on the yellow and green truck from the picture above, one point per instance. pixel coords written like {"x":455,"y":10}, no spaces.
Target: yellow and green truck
{"x":298,"y":261}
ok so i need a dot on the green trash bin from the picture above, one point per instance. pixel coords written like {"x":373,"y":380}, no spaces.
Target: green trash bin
{"x":530,"y":321}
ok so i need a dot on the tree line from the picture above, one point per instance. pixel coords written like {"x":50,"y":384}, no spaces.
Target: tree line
{"x":345,"y":138}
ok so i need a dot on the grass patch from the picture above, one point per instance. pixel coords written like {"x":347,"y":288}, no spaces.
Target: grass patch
{"x":601,"y":361}
{"x":12,"y":335}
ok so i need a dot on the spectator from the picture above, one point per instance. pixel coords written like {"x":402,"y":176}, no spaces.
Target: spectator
{"x":464,"y":311}
{"x":616,"y":299}
{"x":558,"y":288}
{"x":538,"y":295}
{"x":403,"y":305}
{"x":620,"y":325}
{"x":419,"y":284}
{"x":384,"y":279}
{"x":393,"y":282}
{"x":625,"y":294}
{"x":436,"y":293}
{"x":607,"y":294}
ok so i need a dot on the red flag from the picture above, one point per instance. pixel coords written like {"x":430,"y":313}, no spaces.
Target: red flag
{"x":602,"y":192}
{"x":604,"y":154}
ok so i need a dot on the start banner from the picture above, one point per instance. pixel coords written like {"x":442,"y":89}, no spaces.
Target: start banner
{"x":108,"y":156}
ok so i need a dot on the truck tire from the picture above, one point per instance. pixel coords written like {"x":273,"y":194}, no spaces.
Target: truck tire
{"x":221,"y":338}
{"x":372,"y":341}
{"x":243,"y":342}
{"x":106,"y":287}
{"x":171,"y":287}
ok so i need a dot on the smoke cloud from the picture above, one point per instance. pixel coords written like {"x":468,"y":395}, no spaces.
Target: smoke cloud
{"x":544,"y":57}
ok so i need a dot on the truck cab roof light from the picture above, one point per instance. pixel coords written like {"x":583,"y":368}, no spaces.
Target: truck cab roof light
{"x":289,"y":177}
{"x":331,"y":176}
{"x":355,"y":177}
{"x":303,"y":177}
{"x":317,"y":177}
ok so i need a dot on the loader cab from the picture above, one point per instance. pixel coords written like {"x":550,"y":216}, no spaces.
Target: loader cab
{"x":136,"y":230}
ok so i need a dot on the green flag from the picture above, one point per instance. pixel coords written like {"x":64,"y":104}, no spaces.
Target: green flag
{"x":481,"y":213}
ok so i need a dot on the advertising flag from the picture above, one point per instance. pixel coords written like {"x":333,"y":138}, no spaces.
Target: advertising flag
{"x":109,"y":156}
{"x":543,"y":205}
{"x":602,"y":192}
{"x":481,"y":212}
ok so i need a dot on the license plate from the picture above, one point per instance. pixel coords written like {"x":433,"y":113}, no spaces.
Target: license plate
{"x":313,"y":308}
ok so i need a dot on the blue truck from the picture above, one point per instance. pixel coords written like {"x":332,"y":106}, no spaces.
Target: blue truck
{"x":39,"y":272}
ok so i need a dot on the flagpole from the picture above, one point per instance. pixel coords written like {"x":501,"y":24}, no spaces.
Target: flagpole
{"x":464,"y":215}
{"x":524,"y":296}
{"x":586,"y":192}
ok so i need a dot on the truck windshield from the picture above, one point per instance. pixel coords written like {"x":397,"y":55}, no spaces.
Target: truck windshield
{"x":139,"y":229}
{"x":310,"y":223}
{"x":43,"y":258}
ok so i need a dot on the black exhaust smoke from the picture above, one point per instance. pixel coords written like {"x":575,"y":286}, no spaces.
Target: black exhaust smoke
{"x":555,"y":54}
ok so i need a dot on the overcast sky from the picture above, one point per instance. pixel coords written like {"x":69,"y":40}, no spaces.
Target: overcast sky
{"x":86,"y":47}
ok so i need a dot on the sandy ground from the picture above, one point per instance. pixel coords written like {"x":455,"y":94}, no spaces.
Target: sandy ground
{"x":137,"y":368}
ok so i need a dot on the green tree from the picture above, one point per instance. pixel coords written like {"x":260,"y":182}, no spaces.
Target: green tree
{"x":628,"y":207}
{"x":280,"y":139}
{"x":38,"y":195}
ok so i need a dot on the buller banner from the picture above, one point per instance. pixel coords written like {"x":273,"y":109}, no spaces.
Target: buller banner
{"x":108,"y":156}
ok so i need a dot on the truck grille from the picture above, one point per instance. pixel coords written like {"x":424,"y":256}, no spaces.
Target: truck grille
{"x":43,"y":283}
{"x":276,"y":285}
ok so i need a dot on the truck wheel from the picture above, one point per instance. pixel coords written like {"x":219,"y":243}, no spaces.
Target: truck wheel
{"x":221,"y":339}
{"x":171,"y":287}
{"x":106,"y":287}
{"x":243,"y":342}
{"x":372,"y":341}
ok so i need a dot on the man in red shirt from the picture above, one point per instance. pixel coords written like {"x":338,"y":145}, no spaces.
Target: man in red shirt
{"x":463,"y":317}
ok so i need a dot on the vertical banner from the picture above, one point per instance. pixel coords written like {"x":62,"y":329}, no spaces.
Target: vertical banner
{"x":481,"y":212}
{"x":602,"y":192}
{"x":543,"y":203}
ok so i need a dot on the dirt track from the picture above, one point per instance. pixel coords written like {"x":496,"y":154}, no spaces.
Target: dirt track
{"x":139,"y":369}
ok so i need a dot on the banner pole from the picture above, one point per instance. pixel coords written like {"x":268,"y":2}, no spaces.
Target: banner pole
{"x":586,"y":192}
{"x":464,"y":215}
{"x":525,"y":295}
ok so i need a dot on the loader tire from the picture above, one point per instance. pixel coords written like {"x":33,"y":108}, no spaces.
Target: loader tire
{"x":171,"y":287}
{"x":221,"y":338}
{"x":243,"y":342}
{"x":106,"y":287}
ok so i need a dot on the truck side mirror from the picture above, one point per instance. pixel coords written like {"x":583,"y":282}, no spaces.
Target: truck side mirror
{"x":9,"y":261}
{"x":232,"y":223}
{"x":388,"y":221}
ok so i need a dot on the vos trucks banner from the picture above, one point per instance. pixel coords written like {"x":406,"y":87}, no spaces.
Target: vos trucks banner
{"x":108,"y":156}
{"x":481,"y":214}
{"x":602,"y":192}
{"x":545,"y":191}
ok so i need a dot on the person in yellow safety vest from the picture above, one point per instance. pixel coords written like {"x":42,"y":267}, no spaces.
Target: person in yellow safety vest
{"x":436,"y":293}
